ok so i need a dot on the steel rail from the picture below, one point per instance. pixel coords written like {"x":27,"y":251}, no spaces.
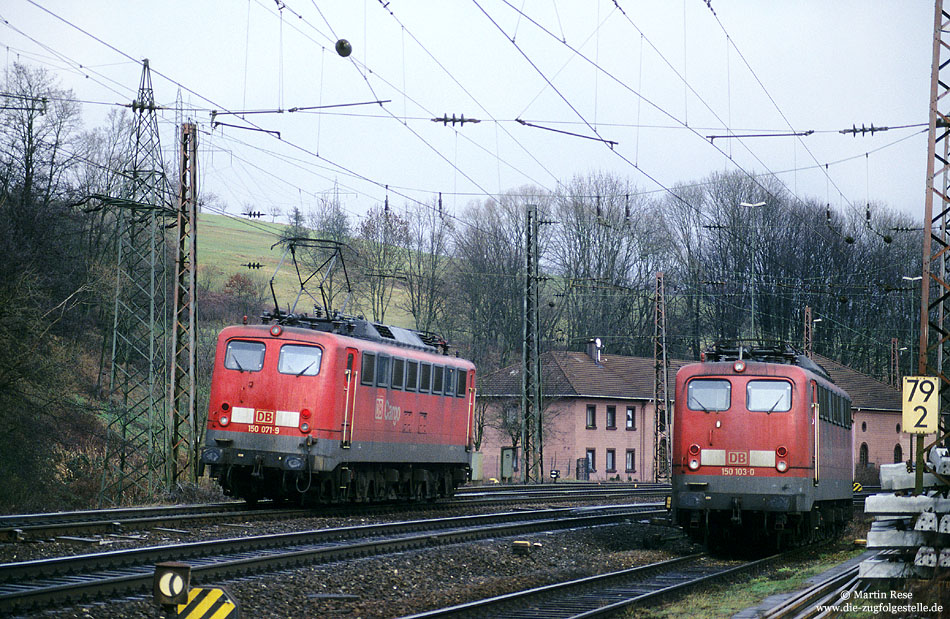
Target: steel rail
{"x":124,"y":572}
{"x":603,"y":595}
{"x":33,"y":526}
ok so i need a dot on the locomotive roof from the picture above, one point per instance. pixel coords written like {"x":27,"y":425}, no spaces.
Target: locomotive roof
{"x":772,"y":352}
{"x":360,"y":328}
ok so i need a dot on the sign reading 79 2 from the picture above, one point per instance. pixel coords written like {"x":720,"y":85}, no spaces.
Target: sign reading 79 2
{"x":920,"y":404}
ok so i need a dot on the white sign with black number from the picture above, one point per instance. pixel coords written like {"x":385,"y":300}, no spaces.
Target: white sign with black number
{"x":920,"y":404}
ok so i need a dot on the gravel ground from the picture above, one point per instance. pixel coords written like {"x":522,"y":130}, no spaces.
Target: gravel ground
{"x":11,"y":552}
{"x":406,"y":583}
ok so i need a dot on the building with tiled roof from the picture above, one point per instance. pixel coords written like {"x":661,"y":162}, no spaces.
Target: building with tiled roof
{"x":599,"y":409}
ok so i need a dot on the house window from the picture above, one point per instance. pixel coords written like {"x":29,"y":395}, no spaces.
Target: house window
{"x":863,"y":454}
{"x":591,"y":460}
{"x":631,"y":460}
{"x":631,"y":418}
{"x":898,"y":453}
{"x":864,"y":426}
{"x":611,"y":417}
{"x":591,"y":416}
{"x":611,"y":460}
{"x":898,"y":428}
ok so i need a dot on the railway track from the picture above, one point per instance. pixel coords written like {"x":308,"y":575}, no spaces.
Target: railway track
{"x":604,"y":595}
{"x":818,"y":599}
{"x":36,"y":526}
{"x":64,"y":580}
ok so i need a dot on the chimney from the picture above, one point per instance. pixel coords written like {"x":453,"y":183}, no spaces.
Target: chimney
{"x":594,"y":348}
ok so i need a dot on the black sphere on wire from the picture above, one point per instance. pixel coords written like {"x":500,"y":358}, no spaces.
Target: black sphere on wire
{"x":344,"y":48}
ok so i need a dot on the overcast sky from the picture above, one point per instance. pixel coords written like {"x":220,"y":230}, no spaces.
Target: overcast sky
{"x":657,"y":78}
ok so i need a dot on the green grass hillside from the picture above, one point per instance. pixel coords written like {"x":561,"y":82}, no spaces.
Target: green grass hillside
{"x":225,"y":243}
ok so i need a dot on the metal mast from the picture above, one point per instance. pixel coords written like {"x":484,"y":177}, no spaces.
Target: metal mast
{"x":807,"y":332}
{"x":182,"y":459}
{"x":661,"y":441}
{"x":135,"y":450}
{"x":936,"y":250}
{"x":531,"y":374}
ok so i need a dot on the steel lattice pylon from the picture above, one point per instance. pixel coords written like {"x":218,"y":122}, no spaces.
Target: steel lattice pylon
{"x":935,"y":289}
{"x":135,"y":450}
{"x":661,"y":400}
{"x":182,"y":457}
{"x":531,"y":441}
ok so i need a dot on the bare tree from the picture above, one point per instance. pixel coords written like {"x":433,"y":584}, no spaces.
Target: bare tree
{"x":606,"y":249}
{"x":427,"y":263}
{"x":382,"y":236}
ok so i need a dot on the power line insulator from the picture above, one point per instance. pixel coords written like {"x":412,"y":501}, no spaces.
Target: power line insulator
{"x":252,"y":265}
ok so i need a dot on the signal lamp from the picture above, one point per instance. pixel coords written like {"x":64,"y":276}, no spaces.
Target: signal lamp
{"x":276,"y":330}
{"x":171,"y":583}
{"x":781,"y":452}
{"x":694,"y":449}
{"x":305,"y":427}
{"x":224,"y":421}
{"x":693,"y":464}
{"x":781,"y":466}
{"x":305,"y":413}
{"x":739,"y":366}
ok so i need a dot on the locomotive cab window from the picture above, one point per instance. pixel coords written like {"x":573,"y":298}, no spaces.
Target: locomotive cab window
{"x":244,"y":356}
{"x":299,"y":360}
{"x":437,"y":379}
{"x":769,"y":396}
{"x":369,"y":369}
{"x":709,"y":394}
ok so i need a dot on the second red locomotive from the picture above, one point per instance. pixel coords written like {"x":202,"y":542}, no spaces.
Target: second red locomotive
{"x":337,"y":408}
{"x":762,"y":449}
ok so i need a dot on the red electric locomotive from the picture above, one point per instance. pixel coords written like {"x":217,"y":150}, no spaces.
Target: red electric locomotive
{"x":762,"y":449}
{"x":337,"y":408}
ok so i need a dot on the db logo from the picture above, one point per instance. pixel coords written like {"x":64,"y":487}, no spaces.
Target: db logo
{"x":737,"y":458}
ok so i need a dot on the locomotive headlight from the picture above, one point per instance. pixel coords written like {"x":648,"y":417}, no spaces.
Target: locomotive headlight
{"x":739,"y":366}
{"x":782,"y":466}
{"x":693,"y":464}
{"x":224,"y":420}
{"x":305,"y":427}
{"x":276,"y":330}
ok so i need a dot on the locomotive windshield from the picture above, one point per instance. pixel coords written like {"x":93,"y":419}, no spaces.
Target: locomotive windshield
{"x":299,"y":360}
{"x":770,"y":396}
{"x":709,"y":395}
{"x":244,"y":356}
